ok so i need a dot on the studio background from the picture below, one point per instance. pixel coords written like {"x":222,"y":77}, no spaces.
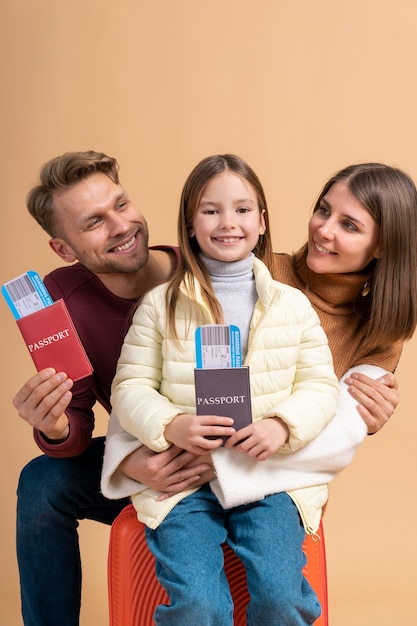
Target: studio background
{"x":298,"y":89}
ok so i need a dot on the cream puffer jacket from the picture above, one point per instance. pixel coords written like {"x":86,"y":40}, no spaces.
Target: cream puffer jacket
{"x":291,"y":377}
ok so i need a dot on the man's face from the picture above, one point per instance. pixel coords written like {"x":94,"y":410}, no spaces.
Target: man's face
{"x":100,"y":227}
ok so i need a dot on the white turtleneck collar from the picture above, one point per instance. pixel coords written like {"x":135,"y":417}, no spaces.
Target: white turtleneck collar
{"x":235,"y":289}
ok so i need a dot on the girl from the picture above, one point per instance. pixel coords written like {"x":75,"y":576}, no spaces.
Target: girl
{"x":223,"y":234}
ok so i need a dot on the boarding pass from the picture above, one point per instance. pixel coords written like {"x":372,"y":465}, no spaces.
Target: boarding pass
{"x":218,"y":346}
{"x":26,"y":294}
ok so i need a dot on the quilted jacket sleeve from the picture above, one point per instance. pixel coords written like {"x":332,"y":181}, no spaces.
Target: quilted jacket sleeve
{"x":142,"y":410}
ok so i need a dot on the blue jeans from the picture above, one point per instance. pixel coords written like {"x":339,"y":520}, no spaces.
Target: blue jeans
{"x":266,"y":535}
{"x":53,"y":494}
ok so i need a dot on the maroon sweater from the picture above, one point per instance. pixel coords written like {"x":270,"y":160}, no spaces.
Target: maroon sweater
{"x":102,"y":320}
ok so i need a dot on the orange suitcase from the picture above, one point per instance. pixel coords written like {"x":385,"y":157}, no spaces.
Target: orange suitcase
{"x":134,"y":591}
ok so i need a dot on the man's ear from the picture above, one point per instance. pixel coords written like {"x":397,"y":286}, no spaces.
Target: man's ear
{"x":63,"y":250}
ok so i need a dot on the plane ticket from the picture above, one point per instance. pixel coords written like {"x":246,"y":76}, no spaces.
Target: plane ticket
{"x":218,"y":346}
{"x":26,"y":294}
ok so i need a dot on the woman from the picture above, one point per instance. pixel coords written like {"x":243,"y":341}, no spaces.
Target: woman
{"x":359,"y":270}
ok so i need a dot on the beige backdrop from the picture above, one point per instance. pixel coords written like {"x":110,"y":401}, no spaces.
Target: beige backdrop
{"x":299,"y":89}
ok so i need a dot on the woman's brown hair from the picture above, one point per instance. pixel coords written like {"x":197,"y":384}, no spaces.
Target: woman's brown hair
{"x":388,"y":305}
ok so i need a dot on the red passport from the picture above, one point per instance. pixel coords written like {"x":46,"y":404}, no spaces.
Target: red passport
{"x":53,"y":341}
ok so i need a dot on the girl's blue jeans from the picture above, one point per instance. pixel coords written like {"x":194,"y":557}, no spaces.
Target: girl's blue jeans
{"x":266,"y":535}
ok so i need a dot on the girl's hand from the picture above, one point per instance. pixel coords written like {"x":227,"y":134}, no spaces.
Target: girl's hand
{"x":190,"y":431}
{"x":377,"y":399}
{"x":262,"y":439}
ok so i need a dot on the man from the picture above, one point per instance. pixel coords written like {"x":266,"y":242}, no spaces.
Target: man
{"x":80,"y":203}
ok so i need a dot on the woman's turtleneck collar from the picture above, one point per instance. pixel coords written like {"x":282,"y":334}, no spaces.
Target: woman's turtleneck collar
{"x":235,"y":269}
{"x":336,"y":290}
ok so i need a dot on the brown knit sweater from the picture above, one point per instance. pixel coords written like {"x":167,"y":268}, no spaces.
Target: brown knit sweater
{"x":332,"y":297}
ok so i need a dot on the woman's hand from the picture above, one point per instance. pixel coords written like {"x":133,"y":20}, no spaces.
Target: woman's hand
{"x":261,"y":439}
{"x":377,"y":399}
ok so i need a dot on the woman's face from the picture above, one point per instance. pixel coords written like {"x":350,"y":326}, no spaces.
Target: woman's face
{"x":342,"y":235}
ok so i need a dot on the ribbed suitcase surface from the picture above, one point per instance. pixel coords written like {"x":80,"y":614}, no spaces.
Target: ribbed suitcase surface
{"x":134,"y":591}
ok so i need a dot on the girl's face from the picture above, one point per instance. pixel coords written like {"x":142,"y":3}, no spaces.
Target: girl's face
{"x":342,"y":235}
{"x":227,"y":223}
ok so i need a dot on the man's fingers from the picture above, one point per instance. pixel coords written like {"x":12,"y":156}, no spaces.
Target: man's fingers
{"x":186,"y":479}
{"x":29,"y":387}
